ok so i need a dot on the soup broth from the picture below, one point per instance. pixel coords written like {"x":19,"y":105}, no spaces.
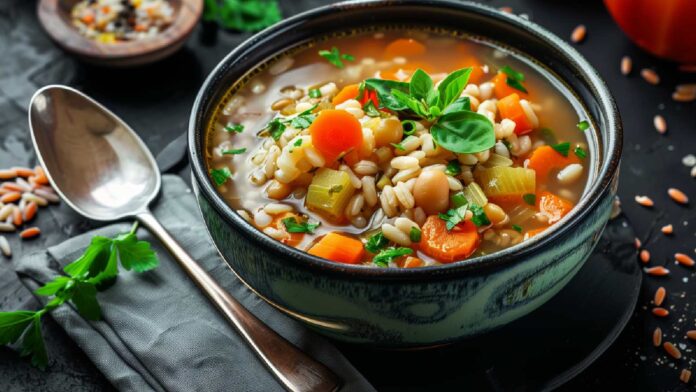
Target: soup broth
{"x":400,"y":148}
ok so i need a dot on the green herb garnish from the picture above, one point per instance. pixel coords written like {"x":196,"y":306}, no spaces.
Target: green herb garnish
{"x":370,"y":109}
{"x":236,"y":128}
{"x":297,"y":143}
{"x":335,"y":57}
{"x":398,"y":146}
{"x":314,"y":93}
{"x":479,"y":216}
{"x":387,"y":255}
{"x":454,"y":168}
{"x":234,"y":151}
{"x":278,"y":125}
{"x":517,"y":228}
{"x":304,"y":119}
{"x":454,"y":216}
{"x":580,"y":152}
{"x":529,"y":198}
{"x":583,"y":125}
{"x":242,"y":15}
{"x":97,"y":265}
{"x":414,"y":234}
{"x":220,"y":176}
{"x":376,"y":242}
{"x":562,"y":148}
{"x":292,"y":226}
{"x":276,"y":128}
{"x":514,"y":78}
{"x":335,"y":189}
{"x":458,"y":199}
{"x":409,"y":127}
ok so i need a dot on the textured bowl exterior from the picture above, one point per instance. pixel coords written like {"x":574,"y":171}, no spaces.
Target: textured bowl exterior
{"x":403,"y":308}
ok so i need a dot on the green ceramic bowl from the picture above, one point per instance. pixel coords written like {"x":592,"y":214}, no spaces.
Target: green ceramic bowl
{"x":431,"y":305}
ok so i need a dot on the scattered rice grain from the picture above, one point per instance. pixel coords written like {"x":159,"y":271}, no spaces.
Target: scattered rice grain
{"x":578,"y":34}
{"x":657,"y":337}
{"x":660,"y":312}
{"x":667,"y":229}
{"x":672,"y":350}
{"x":678,"y":196}
{"x":660,"y":294}
{"x":657,"y":271}
{"x":626,"y":65}
{"x":650,"y":76}
{"x":644,"y":201}
{"x":644,"y":256}
{"x":684,"y":259}
{"x":660,"y":124}
{"x":30,"y":233}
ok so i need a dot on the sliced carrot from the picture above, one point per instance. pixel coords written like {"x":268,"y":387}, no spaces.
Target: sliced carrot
{"x":335,"y":132}
{"x":348,"y":92}
{"x":412,"y":262}
{"x":404,"y":47}
{"x":501,"y":89}
{"x":511,"y":108}
{"x":292,"y":239}
{"x":545,"y":158}
{"x":339,"y":248}
{"x":554,"y":207}
{"x":448,"y":246}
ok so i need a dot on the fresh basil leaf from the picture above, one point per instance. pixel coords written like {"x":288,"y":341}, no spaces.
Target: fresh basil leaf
{"x":464,"y":132}
{"x":134,"y":254}
{"x":421,"y":84}
{"x":93,"y":261}
{"x":529,"y":198}
{"x":461,"y":104}
{"x":452,"y":86}
{"x":33,"y":343}
{"x":13,"y":324}
{"x":52,"y":287}
{"x":387,"y":255}
{"x":376,"y":242}
{"x":562,"y":148}
{"x":293,"y":226}
{"x":479,"y":216}
{"x":84,"y":296}
{"x":433,"y":98}
{"x":384,"y":92}
{"x":220,"y":176}
{"x":413,"y":104}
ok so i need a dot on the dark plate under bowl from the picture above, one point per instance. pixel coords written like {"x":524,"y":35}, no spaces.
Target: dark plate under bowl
{"x":431,"y":305}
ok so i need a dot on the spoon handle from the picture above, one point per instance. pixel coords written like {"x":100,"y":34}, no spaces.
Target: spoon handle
{"x":294,"y":369}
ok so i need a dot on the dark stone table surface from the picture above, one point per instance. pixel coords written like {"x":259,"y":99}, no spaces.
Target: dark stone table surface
{"x":156,"y":101}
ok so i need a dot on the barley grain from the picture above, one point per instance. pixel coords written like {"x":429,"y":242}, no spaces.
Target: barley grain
{"x":672,"y":350}
{"x":660,"y":294}
{"x":626,"y":65}
{"x":578,"y":34}
{"x":660,"y":124}
{"x":678,"y":196}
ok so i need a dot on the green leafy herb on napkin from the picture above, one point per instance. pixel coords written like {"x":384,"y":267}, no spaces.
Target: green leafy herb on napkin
{"x":242,"y":15}
{"x":92,"y":272}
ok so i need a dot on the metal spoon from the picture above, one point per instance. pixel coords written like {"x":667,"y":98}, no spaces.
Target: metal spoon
{"x":105,"y":172}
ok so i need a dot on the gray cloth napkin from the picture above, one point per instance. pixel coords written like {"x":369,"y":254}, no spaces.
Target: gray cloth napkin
{"x":159,"y":332}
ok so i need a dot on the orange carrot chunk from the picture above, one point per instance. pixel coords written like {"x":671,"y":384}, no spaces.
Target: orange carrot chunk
{"x":545,"y":158}
{"x":535,"y":232}
{"x":554,"y":207}
{"x":404,"y":47}
{"x":348,"y":92}
{"x":335,"y":132}
{"x":339,"y":248}
{"x":510,"y":108}
{"x":448,"y":246}
{"x":292,"y":239}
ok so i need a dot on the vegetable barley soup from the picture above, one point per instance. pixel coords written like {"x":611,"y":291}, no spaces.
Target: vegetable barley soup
{"x":400,"y":148}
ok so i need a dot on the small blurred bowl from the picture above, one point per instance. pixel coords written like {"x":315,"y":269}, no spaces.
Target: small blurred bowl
{"x":54,"y":16}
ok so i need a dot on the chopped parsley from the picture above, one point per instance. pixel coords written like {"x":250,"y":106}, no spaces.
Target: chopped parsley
{"x":292,"y":226}
{"x":220,"y":176}
{"x":234,"y":151}
{"x":314,"y":93}
{"x":376,"y":242}
{"x":297,"y":143}
{"x":335,"y":57}
{"x":517,"y":228}
{"x":387,"y":255}
{"x":514,"y":78}
{"x":335,"y":189}
{"x":529,"y":198}
{"x":370,"y":109}
{"x":236,"y":128}
{"x":409,"y":127}
{"x":479,"y":218}
{"x":454,"y":168}
{"x":278,"y":125}
{"x":562,"y":148}
{"x":580,"y":152}
{"x":414,"y":234}
{"x":398,"y":146}
{"x":583,"y":125}
{"x":454,"y":216}
{"x":276,"y":128}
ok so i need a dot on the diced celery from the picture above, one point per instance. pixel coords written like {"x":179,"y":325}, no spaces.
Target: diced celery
{"x":497,"y":160}
{"x":383,"y":181}
{"x":502,"y":181}
{"x":329,"y":192}
{"x":474,"y":194}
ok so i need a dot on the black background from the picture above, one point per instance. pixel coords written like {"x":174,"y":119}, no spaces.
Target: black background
{"x":156,"y":101}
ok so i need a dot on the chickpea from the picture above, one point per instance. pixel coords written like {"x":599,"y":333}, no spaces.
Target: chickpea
{"x":431,"y":191}
{"x":389,"y":131}
{"x":494,"y":213}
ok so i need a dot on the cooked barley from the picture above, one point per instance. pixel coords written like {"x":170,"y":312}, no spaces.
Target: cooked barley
{"x":578,"y":34}
{"x":396,"y":235}
{"x":672,"y":350}
{"x":660,"y":294}
{"x":678,"y":196}
{"x":660,"y":124}
{"x":626,"y":65}
{"x":650,"y":76}
{"x":684,"y":259}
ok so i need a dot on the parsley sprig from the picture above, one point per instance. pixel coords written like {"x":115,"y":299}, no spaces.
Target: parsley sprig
{"x":301,"y":121}
{"x":335,"y":57}
{"x":84,"y":277}
{"x":384,"y":257}
{"x":514,"y":78}
{"x":293,"y":226}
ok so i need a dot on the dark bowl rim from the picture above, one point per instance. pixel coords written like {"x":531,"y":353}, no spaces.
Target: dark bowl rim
{"x":592,"y":197}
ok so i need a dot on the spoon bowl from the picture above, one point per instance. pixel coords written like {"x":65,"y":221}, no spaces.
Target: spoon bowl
{"x":95,"y":161}
{"x":102,"y":169}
